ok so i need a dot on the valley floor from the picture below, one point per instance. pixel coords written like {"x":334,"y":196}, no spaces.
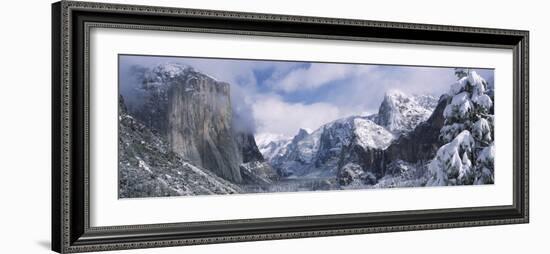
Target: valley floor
{"x":408,"y":176}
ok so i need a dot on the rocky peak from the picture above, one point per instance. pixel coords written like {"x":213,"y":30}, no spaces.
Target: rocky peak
{"x":300,"y":136}
{"x":165,"y":73}
{"x":421,"y":144}
{"x":271,"y":145}
{"x":168,"y":71}
{"x":400,"y":113}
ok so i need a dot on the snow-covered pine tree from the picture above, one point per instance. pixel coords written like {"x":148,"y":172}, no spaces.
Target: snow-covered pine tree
{"x":467,"y":157}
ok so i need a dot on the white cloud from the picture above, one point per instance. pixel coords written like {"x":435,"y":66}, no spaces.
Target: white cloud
{"x":275,"y":116}
{"x":365,"y":91}
{"x":314,"y":76}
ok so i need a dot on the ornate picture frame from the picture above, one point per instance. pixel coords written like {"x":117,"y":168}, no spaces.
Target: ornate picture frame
{"x":71,"y":105}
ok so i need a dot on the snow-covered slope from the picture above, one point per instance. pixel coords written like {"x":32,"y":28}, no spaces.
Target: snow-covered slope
{"x":400,"y":113}
{"x":271,"y":144}
{"x":371,"y":135}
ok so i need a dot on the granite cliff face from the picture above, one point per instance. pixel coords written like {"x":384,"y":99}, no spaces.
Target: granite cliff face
{"x":148,"y":167}
{"x":254,"y":169}
{"x":199,"y":125}
{"x":193,"y":112}
{"x":248,"y":148}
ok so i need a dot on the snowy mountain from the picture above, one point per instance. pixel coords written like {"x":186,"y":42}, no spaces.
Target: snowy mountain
{"x":402,"y":163}
{"x":296,"y":157}
{"x":320,"y":152}
{"x":271,"y":144}
{"x":400,"y":113}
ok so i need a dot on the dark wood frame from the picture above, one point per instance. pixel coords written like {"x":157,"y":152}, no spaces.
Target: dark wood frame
{"x":71,"y":22}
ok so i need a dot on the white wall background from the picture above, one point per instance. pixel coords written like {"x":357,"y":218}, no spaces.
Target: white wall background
{"x":25,"y":126}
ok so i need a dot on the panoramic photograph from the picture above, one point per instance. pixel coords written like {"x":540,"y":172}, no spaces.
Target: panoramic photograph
{"x":191,"y":126}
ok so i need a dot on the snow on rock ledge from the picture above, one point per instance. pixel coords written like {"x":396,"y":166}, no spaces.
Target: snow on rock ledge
{"x":372,"y":135}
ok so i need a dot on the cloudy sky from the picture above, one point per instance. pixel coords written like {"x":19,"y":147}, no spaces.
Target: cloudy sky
{"x":286,"y":96}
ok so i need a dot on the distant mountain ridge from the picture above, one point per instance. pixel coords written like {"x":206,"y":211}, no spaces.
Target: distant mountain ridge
{"x":319,"y":152}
